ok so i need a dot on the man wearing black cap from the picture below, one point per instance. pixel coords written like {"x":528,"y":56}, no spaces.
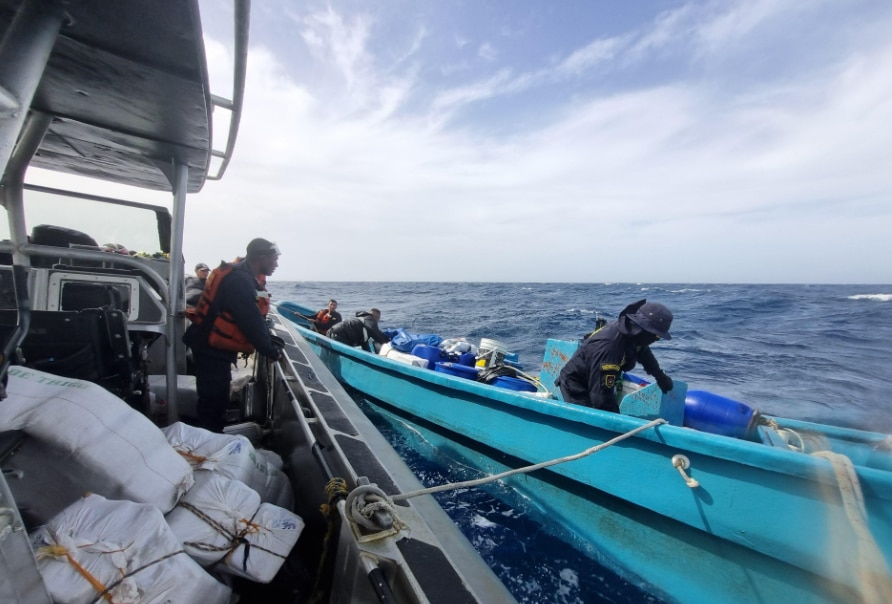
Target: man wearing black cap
{"x":195,"y":285}
{"x":590,"y":376}
{"x":230,"y":317}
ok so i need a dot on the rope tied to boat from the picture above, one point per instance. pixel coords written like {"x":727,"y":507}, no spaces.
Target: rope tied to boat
{"x":371,"y":508}
{"x":788,"y":434}
{"x":528,"y":469}
{"x":871,"y":564}
{"x":335,"y":490}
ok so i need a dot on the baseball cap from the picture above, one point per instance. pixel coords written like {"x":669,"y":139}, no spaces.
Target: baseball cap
{"x":201,"y":266}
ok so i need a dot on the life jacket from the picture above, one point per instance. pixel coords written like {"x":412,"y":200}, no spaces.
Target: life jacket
{"x":223,"y":332}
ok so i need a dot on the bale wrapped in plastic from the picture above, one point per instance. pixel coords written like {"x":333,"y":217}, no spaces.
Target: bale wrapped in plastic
{"x":222,"y":521}
{"x":232,"y":456}
{"x":123,"y":454}
{"x":212,"y":516}
{"x":272,"y":458}
{"x":120,"y":551}
{"x":273,"y":534}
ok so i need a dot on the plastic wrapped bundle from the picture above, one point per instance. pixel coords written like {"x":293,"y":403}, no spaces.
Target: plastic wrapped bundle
{"x":212,"y":516}
{"x":99,"y":549}
{"x":273,"y":533}
{"x":222,"y":521}
{"x":232,"y":456}
{"x":272,"y":458}
{"x":123,"y":454}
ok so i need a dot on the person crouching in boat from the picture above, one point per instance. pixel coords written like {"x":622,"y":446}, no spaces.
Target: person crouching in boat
{"x":360,"y":330}
{"x":590,"y":376}
{"x":230,"y":318}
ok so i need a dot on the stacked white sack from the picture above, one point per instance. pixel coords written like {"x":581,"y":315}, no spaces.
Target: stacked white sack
{"x":211,"y":517}
{"x":272,"y":458}
{"x":232,"y":456}
{"x":273,"y":534}
{"x":114,"y":443}
{"x":97,"y":544}
{"x":222,"y":520}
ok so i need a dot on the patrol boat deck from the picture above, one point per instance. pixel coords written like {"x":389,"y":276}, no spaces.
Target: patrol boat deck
{"x":122,"y":96}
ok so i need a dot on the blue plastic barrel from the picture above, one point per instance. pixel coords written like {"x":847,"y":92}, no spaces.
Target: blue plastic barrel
{"x":513,"y":383}
{"x":467,"y":358}
{"x":462,"y":371}
{"x":431,"y":354}
{"x":717,"y":414}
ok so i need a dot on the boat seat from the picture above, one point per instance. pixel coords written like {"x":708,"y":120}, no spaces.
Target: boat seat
{"x":91,"y":344}
{"x":56,"y":236}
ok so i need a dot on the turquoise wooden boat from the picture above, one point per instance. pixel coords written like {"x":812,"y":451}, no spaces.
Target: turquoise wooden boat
{"x":697,"y":515}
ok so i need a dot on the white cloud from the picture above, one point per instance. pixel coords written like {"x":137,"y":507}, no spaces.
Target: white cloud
{"x":487,"y":52}
{"x":597,"y":53}
{"x":357,"y":159}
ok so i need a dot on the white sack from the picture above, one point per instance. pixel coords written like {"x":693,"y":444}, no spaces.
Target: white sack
{"x":272,"y":458}
{"x":212,"y":516}
{"x":110,"y":539}
{"x":232,"y":456}
{"x":99,"y":431}
{"x":403,"y":357}
{"x":273,"y":533}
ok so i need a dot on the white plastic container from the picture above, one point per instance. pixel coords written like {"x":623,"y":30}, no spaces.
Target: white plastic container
{"x":491,"y":353}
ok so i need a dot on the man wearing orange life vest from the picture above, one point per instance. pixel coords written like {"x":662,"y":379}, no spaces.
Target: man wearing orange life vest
{"x":230,"y":317}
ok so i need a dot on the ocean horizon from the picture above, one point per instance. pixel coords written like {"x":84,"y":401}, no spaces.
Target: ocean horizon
{"x":815,"y":353}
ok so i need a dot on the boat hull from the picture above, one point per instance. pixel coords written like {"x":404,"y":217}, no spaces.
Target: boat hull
{"x":774,"y":503}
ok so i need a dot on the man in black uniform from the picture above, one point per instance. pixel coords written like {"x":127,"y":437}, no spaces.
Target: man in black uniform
{"x":358,"y":330}
{"x":590,"y":376}
{"x":230,"y":318}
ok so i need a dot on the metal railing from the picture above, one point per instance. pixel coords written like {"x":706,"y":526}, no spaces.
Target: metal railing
{"x":242,"y":23}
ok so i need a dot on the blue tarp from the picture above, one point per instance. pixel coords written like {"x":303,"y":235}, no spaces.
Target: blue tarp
{"x":404,"y":341}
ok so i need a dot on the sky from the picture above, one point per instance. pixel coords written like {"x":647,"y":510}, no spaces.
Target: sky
{"x":654,"y":141}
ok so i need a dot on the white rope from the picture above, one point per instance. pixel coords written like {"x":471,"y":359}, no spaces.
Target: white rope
{"x":369,"y":507}
{"x":527,"y":469}
{"x":874,"y":576}
{"x":536,"y":381}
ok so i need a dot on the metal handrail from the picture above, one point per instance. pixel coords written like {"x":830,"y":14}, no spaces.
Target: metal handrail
{"x":240,"y":67}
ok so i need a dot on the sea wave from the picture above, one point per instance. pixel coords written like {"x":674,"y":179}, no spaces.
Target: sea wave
{"x":789,"y":350}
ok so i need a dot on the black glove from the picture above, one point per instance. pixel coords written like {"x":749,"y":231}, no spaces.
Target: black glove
{"x":663,"y":381}
{"x":278,"y":346}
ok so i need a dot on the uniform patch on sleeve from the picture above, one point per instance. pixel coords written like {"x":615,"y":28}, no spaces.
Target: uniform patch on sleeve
{"x":609,"y":380}
{"x":609,"y":367}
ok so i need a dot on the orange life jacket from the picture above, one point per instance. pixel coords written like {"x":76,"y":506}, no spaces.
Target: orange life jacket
{"x":224,"y":332}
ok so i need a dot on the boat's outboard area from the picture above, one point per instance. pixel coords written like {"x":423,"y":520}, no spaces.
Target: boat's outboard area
{"x":330,"y":441}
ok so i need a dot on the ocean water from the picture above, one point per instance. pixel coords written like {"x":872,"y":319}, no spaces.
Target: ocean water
{"x":819,"y":353}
